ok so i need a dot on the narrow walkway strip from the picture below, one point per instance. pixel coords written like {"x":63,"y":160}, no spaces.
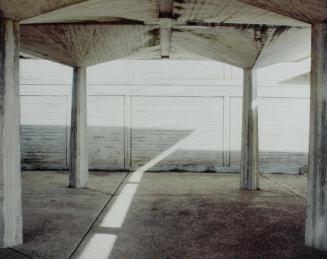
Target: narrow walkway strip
{"x":97,"y":218}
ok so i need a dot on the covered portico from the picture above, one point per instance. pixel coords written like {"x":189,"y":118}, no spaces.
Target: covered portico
{"x":81,"y":33}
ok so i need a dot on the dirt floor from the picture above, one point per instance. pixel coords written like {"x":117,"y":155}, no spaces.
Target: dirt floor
{"x":170,"y":215}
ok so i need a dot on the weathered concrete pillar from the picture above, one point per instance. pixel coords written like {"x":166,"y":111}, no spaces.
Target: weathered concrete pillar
{"x":316,"y":221}
{"x":250,"y":150}
{"x":78,"y":138}
{"x":10,"y":174}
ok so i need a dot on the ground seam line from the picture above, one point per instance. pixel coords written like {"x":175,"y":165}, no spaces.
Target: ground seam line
{"x":285,"y":187}
{"x":21,"y":253}
{"x":97,"y":191}
{"x":97,"y":217}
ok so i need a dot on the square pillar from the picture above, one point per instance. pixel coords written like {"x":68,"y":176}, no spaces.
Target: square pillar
{"x":78,"y":134}
{"x":11,"y":226}
{"x":316,"y":220}
{"x":250,"y":149}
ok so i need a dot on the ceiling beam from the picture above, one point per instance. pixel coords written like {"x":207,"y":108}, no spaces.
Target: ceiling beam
{"x":166,"y":8}
{"x":165,"y":37}
{"x":166,"y":12}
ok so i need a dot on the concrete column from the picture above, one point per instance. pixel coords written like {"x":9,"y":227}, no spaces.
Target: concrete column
{"x":11,"y":225}
{"x":316,"y":221}
{"x":78,"y":139}
{"x":250,"y":150}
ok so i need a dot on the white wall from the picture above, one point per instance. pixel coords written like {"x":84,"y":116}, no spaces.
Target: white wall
{"x":139,"y":109}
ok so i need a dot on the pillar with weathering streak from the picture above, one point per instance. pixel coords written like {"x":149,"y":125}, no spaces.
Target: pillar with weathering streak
{"x":316,"y":221}
{"x":249,"y":149}
{"x":11,"y":232}
{"x":78,"y":174}
{"x":84,"y":45}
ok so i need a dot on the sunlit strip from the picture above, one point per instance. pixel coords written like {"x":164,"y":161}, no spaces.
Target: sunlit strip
{"x":117,"y":213}
{"x":136,"y":177}
{"x":99,"y":247}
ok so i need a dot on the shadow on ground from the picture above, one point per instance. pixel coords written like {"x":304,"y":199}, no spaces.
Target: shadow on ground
{"x":173,"y":215}
{"x":56,"y":218}
{"x":206,"y":216}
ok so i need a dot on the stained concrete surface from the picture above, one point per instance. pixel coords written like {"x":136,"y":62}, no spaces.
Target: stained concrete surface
{"x":172,"y":215}
{"x":56,"y":218}
{"x":8,"y":253}
{"x":57,"y":182}
{"x":207,"y":216}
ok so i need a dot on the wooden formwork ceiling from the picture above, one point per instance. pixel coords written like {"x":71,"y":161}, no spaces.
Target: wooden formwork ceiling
{"x":244,"y":33}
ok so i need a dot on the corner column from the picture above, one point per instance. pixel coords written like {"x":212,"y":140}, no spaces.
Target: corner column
{"x":78,"y":134}
{"x":316,"y":220}
{"x":250,"y":149}
{"x":11,"y":226}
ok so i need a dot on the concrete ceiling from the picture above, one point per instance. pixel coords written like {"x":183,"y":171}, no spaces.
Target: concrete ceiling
{"x":290,"y":44}
{"x":310,"y":11}
{"x":303,"y":79}
{"x":23,"y":9}
{"x":273,"y":12}
{"x":238,"y":46}
{"x":145,"y":11}
{"x":86,"y":45}
{"x":228,"y":11}
{"x":244,"y":33}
